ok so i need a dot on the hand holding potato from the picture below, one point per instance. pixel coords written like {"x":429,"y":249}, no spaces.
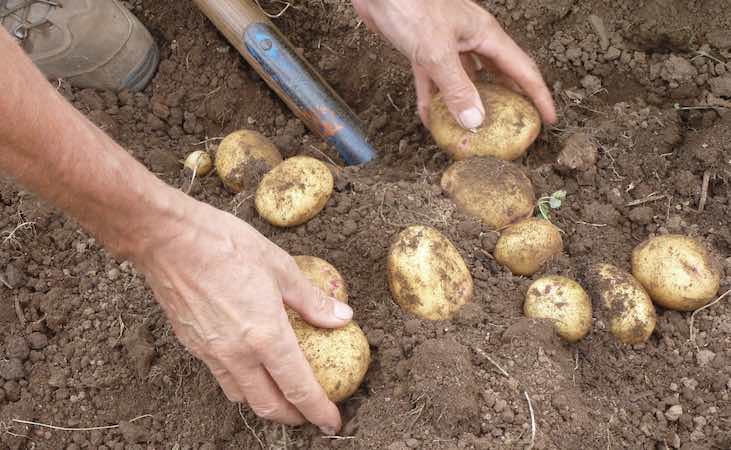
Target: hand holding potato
{"x":440,"y":38}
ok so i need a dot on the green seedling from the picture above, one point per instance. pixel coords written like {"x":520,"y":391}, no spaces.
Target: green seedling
{"x":549,"y":202}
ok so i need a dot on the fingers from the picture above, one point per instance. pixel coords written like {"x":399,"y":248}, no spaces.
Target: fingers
{"x":444,"y":68}
{"x":510,"y":59}
{"x":265,"y":399}
{"x":362,"y":9}
{"x":424,"y":93}
{"x":289,"y":369}
{"x":225,"y":380}
{"x":309,"y":301}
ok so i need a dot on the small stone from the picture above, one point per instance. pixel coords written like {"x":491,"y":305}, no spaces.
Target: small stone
{"x":591,"y":83}
{"x":673,"y":413}
{"x":17,"y":347}
{"x":13,"y":276}
{"x":613,"y":53}
{"x":412,"y":443}
{"x":721,"y":86}
{"x":500,"y":405}
{"x":38,"y":341}
{"x":578,"y":153}
{"x":113,"y":274}
{"x":160,"y":110}
{"x":704,"y":357}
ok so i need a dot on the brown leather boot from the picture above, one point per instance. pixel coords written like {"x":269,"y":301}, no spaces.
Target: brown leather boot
{"x":89,"y":43}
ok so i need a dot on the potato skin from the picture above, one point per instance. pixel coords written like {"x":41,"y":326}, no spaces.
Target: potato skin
{"x":294,"y":192}
{"x":624,"y":302}
{"x":563,"y":301}
{"x":427,"y":275}
{"x":677,"y":272}
{"x":526,"y":246}
{"x":243,"y":157}
{"x":199,"y":162}
{"x":496,"y":192}
{"x":323,"y":275}
{"x":511,"y":125}
{"x":339,"y":357}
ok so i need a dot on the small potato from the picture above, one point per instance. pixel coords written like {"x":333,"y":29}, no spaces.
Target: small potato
{"x":677,"y":272}
{"x":427,"y":275}
{"x":496,"y":192}
{"x":294,"y":192}
{"x":243,"y":157}
{"x":624,"y":302}
{"x":511,"y":125}
{"x":324,"y":276}
{"x":339,"y":357}
{"x":563,"y":301}
{"x":199,"y":162}
{"x":527,"y":245}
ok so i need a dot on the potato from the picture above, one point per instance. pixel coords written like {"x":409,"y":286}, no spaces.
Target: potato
{"x":427,"y":275}
{"x":339,"y":357}
{"x":677,"y":272}
{"x":294,"y":192}
{"x":199,"y":162}
{"x":496,"y":192}
{"x":243,"y":157}
{"x":324,"y":276}
{"x":527,"y":245}
{"x":511,"y":125}
{"x":624,"y":302}
{"x":563,"y":301}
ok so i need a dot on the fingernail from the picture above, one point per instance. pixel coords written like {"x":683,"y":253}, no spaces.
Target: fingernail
{"x":471,"y":118}
{"x":342,"y":311}
{"x":327,"y":431}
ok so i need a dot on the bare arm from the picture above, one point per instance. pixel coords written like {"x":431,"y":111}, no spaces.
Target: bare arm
{"x":221,"y":283}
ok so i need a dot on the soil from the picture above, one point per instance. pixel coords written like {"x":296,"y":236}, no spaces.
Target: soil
{"x":646,"y":83}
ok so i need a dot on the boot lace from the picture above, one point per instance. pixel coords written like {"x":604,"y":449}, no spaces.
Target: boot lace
{"x":20,"y":13}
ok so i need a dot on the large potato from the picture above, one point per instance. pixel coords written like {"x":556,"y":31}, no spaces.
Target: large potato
{"x":324,"y":276}
{"x":497,"y":192}
{"x":294,"y":192}
{"x":563,"y":301}
{"x":339,"y":357}
{"x":243,"y":157}
{"x":677,"y":272}
{"x":427,"y":275}
{"x":624,"y":303}
{"x":527,"y":245}
{"x":511,"y":125}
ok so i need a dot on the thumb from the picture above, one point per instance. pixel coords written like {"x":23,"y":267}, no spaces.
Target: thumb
{"x":457,"y":90}
{"x":311,"y":303}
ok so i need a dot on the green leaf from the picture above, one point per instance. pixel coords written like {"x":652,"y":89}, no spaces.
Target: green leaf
{"x":554,"y":203}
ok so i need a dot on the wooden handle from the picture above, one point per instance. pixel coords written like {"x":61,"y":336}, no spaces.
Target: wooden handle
{"x":231,"y":17}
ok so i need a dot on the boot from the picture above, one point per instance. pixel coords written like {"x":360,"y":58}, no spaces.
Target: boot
{"x":89,"y":43}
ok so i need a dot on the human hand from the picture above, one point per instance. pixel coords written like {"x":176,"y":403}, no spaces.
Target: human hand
{"x":224,"y":286}
{"x":440,"y":38}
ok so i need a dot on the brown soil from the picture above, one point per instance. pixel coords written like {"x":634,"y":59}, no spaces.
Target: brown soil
{"x":84,"y":343}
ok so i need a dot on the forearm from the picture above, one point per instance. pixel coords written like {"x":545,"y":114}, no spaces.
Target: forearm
{"x":50,"y":148}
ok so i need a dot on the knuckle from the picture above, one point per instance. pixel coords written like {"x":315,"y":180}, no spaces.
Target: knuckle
{"x":431,"y":56}
{"x":300,"y":395}
{"x":458,"y":92}
{"x":267,"y":411}
{"x":262,"y":340}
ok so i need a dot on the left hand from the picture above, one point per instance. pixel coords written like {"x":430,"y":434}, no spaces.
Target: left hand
{"x":440,"y":38}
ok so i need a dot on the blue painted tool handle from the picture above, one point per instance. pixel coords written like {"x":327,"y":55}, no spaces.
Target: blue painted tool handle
{"x":306,"y":93}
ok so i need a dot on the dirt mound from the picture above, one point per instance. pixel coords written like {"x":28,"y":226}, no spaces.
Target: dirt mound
{"x":644,"y":84}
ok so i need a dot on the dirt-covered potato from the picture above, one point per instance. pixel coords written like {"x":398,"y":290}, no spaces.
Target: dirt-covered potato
{"x":496,"y":192}
{"x":294,"y":192}
{"x":339,"y":357}
{"x":526,"y":246}
{"x":511,"y":125}
{"x":624,"y":303}
{"x":324,"y":276}
{"x":677,"y":271}
{"x":427,"y":275}
{"x":243,"y":157}
{"x":199,"y":162}
{"x":563,"y":301}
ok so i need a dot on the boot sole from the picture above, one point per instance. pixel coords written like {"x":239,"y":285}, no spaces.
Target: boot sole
{"x":142,"y":74}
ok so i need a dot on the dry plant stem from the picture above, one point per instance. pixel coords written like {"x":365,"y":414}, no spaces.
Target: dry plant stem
{"x":53,"y":427}
{"x":251,"y":430}
{"x":11,"y":235}
{"x":19,"y":312}
{"x":274,"y":16}
{"x":325,"y":156}
{"x":704,"y":190}
{"x":4,"y":281}
{"x":650,"y":198}
{"x":692,"y":316}
{"x":486,"y":356}
{"x":532,"y":422}
{"x":338,"y":438}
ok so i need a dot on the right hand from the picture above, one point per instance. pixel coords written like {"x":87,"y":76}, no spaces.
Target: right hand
{"x":224,"y":286}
